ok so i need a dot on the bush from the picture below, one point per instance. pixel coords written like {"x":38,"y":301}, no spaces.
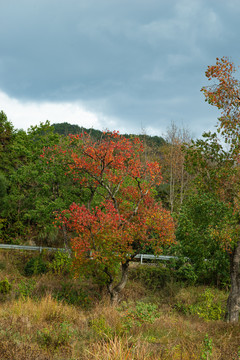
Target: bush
{"x":183,"y":270}
{"x":207,"y":306}
{"x":35,"y":266}
{"x":54,"y":338}
{"x":73,"y":296}
{"x":5,"y":287}
{"x":100,"y":327}
{"x":25,"y":289}
{"x":141,"y":313}
{"x":61,"y":263}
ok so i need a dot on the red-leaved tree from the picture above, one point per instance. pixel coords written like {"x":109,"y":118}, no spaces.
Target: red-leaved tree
{"x":120,"y":216}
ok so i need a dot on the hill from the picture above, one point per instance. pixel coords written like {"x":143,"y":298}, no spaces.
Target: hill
{"x":66,"y":128}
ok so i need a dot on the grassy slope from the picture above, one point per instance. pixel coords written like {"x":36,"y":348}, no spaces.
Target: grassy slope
{"x":151,"y":322}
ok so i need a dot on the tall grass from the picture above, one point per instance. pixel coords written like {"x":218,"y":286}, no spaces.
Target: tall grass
{"x":174,"y":322}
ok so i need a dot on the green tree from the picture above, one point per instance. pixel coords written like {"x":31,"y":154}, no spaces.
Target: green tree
{"x":7,"y":135}
{"x":216,"y":167}
{"x":36,"y":186}
{"x":200,"y":217}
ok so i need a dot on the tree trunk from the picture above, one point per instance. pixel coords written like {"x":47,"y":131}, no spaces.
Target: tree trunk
{"x":114,"y":291}
{"x":233,"y":302}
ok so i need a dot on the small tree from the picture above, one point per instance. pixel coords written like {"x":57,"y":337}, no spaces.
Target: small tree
{"x":120,"y":217}
{"x":173,"y":159}
{"x":202,"y":216}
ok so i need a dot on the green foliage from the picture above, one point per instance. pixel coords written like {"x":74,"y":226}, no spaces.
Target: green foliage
{"x":3,"y":186}
{"x":25,"y":288}
{"x":72,"y":295}
{"x":100,"y":327}
{"x":200,"y":216}
{"x":61,"y":263}
{"x":35,"y":266}
{"x":141,"y":313}
{"x":186,"y":272}
{"x":207,"y":307}
{"x":5,"y":286}
{"x":37,"y":184}
{"x":3,"y":223}
{"x":207,"y":348}
{"x":7,"y":135}
{"x":55,"y":337}
{"x":146,"y":312}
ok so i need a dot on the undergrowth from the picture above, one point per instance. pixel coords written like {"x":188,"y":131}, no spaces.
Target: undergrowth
{"x":53,"y":316}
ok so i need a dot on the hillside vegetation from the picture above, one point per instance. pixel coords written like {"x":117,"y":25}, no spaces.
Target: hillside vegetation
{"x":53,"y":316}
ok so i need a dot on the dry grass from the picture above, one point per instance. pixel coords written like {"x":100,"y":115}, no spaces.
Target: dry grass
{"x":42,"y":328}
{"x":34,"y":330}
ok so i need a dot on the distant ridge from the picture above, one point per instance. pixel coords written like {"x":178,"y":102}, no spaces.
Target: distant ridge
{"x":66,"y":129}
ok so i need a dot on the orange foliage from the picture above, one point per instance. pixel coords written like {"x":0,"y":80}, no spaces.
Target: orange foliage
{"x":126,"y":218}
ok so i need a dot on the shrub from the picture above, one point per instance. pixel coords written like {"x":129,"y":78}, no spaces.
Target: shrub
{"x":142,"y":313}
{"x":183,"y":270}
{"x":5,"y":287}
{"x":54,"y":338}
{"x":35,"y":266}
{"x":200,"y":216}
{"x":25,"y":289}
{"x":208,"y":307}
{"x":61,"y":263}
{"x":100,"y":327}
{"x":72,"y":295}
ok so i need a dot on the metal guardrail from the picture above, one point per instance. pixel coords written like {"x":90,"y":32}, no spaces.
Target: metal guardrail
{"x":41,"y":248}
{"x":31,"y":248}
{"x":153,"y":257}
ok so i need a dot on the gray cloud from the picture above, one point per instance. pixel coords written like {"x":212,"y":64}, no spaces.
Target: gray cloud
{"x":139,"y":62}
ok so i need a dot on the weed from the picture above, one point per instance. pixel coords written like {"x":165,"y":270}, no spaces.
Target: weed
{"x":55,"y":337}
{"x":25,"y":288}
{"x":100,"y":327}
{"x":186,"y":273}
{"x":141,"y":314}
{"x":5,"y":287}
{"x":207,"y":348}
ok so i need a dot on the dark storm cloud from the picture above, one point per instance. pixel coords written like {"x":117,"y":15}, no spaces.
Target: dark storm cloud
{"x":139,"y":62}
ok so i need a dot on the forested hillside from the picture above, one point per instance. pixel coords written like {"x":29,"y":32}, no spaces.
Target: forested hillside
{"x":66,"y":129}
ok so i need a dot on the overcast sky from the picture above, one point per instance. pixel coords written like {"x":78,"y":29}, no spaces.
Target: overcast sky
{"x":127,"y":65}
